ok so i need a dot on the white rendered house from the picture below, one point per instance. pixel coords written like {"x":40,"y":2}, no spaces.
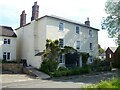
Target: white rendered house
{"x":32,"y":36}
{"x":7,"y":43}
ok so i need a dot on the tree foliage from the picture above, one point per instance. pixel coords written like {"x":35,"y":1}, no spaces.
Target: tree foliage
{"x":112,"y":22}
{"x":53,"y":50}
{"x":100,"y":50}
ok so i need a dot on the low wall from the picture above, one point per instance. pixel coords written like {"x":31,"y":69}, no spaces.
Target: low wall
{"x":12,"y":67}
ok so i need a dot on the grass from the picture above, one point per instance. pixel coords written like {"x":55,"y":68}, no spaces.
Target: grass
{"x":113,"y":83}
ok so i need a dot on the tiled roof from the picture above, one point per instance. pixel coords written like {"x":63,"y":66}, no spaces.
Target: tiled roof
{"x":7,"y":31}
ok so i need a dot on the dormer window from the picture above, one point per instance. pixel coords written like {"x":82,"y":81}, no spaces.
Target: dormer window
{"x":61,"y":26}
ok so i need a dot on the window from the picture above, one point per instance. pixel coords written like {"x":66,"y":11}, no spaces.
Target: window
{"x":61,"y":59}
{"x":77,"y":30}
{"x":6,"y":56}
{"x":78,"y":45}
{"x":61,"y":43}
{"x":110,"y":55}
{"x":61,"y":27}
{"x":90,"y":59}
{"x":90,"y":33}
{"x":6,"y":41}
{"x":91,"y":46}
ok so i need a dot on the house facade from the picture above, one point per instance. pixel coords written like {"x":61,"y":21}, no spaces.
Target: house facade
{"x":110,"y":53}
{"x":32,"y":36}
{"x":7,"y":43}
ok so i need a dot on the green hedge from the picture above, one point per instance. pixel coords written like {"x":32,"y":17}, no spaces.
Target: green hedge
{"x":67,"y":72}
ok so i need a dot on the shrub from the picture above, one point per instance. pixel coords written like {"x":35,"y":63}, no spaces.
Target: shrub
{"x":113,"y":83}
{"x":49,"y":66}
{"x":67,"y":72}
{"x":99,"y":65}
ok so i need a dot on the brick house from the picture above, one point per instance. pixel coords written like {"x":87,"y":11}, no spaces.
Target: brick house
{"x":117,"y":55}
{"x":110,"y":53}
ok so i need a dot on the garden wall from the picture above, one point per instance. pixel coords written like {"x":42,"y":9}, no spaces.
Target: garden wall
{"x":12,"y":67}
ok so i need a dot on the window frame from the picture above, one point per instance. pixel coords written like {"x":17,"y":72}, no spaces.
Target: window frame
{"x":61,"y":45}
{"x":77,"y":30}
{"x":90,"y":33}
{"x":61,"y":59}
{"x":91,"y":46}
{"x":6,"y":56}
{"x":78,"y":47}
{"x":61,"y":26}
{"x":7,"y":41}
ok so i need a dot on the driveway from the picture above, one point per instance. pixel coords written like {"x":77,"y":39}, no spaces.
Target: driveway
{"x":23,"y":81}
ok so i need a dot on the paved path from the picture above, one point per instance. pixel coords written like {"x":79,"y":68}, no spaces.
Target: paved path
{"x":63,"y":82}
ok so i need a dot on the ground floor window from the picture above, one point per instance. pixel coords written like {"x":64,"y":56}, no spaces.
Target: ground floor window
{"x":91,"y":59}
{"x":6,"y":55}
{"x":61,"y":59}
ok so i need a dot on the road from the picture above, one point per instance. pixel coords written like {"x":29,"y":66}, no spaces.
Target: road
{"x":63,"y":82}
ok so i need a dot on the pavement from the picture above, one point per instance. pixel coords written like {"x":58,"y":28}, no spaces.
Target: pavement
{"x":77,"y":81}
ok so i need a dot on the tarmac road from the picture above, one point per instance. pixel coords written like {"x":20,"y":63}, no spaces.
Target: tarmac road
{"x":63,"y":82}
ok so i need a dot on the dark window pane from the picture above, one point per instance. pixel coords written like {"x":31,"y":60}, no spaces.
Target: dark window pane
{"x":8,"y":41}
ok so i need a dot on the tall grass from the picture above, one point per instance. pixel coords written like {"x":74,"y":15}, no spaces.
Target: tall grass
{"x":113,"y":83}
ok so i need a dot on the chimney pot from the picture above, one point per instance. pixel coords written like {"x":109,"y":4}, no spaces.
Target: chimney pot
{"x":87,"y":22}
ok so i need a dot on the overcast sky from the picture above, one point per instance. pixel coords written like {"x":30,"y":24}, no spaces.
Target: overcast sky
{"x":77,"y":10}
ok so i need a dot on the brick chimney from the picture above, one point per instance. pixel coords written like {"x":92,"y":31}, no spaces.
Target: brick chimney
{"x":35,"y":11}
{"x":87,"y":22}
{"x":23,"y":18}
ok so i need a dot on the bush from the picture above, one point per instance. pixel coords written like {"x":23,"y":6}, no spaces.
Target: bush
{"x":66,"y":72}
{"x":49,"y":66}
{"x":115,"y":64}
{"x":99,"y":65}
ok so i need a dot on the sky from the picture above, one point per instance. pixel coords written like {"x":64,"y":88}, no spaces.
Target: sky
{"x":77,"y":10}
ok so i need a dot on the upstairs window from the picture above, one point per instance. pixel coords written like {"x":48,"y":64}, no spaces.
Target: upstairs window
{"x":61,"y":26}
{"x":91,"y":46}
{"x":90,"y":33}
{"x":61,"y":43}
{"x":7,"y":41}
{"x":78,"y":45}
{"x":77,"y":30}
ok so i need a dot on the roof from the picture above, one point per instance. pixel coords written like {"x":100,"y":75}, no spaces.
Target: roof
{"x":113,"y":49}
{"x":7,"y":31}
{"x":63,"y":19}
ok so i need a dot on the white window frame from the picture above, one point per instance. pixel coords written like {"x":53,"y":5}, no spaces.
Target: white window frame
{"x":7,"y":55}
{"x":78,"y":47}
{"x":61,"y":26}
{"x":7,"y":41}
{"x":91,"y":46}
{"x":61,"y":59}
{"x":61,"y":44}
{"x":90,"y":33}
{"x":77,"y":30}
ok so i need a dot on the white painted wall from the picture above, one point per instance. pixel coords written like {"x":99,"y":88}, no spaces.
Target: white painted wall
{"x":8,"y":47}
{"x":33,"y":37}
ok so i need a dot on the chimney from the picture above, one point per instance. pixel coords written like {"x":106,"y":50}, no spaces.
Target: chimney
{"x":35,"y":11}
{"x":23,"y":18}
{"x":87,"y":22}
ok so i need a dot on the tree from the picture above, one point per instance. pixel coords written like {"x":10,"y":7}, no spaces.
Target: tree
{"x":100,"y":50}
{"x":112,"y":22}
